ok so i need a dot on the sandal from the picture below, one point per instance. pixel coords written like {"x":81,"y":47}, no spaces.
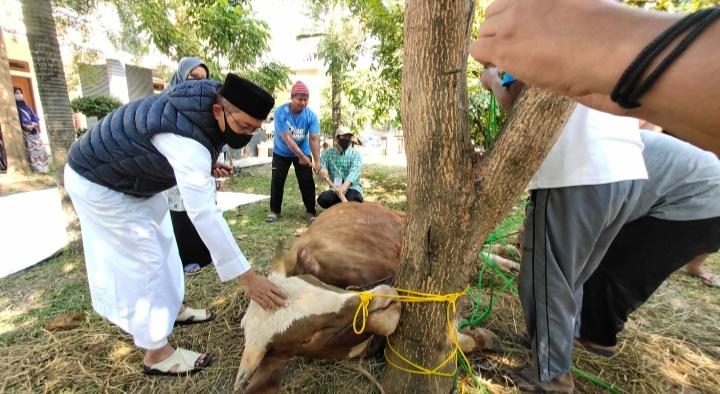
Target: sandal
{"x":527,"y":385}
{"x":192,"y":269}
{"x":708,"y":279}
{"x":272,"y":217}
{"x":182,"y":360}
{"x":194,"y":316}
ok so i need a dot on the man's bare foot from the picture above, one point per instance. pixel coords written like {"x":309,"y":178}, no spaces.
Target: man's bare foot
{"x":695,"y":268}
{"x":526,"y":383}
{"x":592,"y":347}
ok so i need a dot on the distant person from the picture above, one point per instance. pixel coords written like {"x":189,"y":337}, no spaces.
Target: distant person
{"x":297,"y":134}
{"x":193,"y":252}
{"x":341,"y":165}
{"x":116,"y":185}
{"x":589,"y":44}
{"x":29,"y":122}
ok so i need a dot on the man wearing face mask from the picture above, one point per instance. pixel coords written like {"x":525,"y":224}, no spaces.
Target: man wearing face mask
{"x":341,"y":165}
{"x":116,"y":174}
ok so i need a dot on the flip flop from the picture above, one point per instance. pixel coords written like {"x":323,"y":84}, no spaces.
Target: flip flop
{"x":192,"y":269}
{"x":526,"y":385}
{"x":523,"y":384}
{"x":710,"y":280}
{"x":183,"y":359}
{"x":272,"y":217}
{"x":194,"y":316}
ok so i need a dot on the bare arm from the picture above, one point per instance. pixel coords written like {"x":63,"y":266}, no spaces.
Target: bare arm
{"x":315,"y":149}
{"x":290,"y":142}
{"x":588,"y":44}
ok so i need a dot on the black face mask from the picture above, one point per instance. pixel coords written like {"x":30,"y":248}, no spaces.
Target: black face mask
{"x":344,"y":144}
{"x":233,"y":139}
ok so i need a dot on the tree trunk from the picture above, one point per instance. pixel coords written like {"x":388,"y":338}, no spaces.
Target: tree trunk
{"x":9,"y":122}
{"x":47,"y":61}
{"x":336,"y":92}
{"x":455,"y":197}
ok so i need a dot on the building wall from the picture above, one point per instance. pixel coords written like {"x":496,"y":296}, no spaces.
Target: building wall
{"x":139,"y":82}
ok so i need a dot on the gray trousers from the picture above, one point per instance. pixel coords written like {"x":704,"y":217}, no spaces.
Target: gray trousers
{"x":567,"y":232}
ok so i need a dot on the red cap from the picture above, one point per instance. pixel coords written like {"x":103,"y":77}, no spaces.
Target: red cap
{"x":299,"y":88}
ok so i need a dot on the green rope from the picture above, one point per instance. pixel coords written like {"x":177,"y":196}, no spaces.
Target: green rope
{"x":596,"y":380}
{"x":493,"y":126}
{"x":481,"y":312}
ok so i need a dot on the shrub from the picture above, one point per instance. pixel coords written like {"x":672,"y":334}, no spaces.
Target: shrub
{"x":97,"y":106}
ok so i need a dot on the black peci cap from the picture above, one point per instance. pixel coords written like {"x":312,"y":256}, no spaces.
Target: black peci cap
{"x":247,"y":96}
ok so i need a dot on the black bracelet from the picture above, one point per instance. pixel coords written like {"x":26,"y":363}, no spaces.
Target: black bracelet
{"x":630,"y":87}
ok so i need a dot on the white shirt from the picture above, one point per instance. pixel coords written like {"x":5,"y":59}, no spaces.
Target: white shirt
{"x":594,"y":148}
{"x":192,"y":165}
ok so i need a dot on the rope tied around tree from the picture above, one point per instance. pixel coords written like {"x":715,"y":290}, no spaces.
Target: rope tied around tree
{"x":409,"y":296}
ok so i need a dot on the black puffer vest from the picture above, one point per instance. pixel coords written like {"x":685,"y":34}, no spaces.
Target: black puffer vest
{"x":117,"y":152}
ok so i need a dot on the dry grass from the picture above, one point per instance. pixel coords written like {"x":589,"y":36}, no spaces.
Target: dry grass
{"x":672,"y":344}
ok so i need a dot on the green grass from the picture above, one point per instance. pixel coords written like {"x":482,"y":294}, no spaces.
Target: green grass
{"x":671,"y":344}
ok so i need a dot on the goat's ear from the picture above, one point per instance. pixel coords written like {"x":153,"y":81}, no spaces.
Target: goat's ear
{"x":268,"y":376}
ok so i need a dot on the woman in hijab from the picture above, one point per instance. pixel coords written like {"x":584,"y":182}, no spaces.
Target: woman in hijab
{"x":37,"y":155}
{"x":193,"y":252}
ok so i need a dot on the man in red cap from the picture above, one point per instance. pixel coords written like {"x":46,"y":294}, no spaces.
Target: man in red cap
{"x":297,"y":133}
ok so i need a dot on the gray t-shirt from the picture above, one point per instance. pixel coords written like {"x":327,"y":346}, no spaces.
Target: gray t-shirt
{"x":683,"y":180}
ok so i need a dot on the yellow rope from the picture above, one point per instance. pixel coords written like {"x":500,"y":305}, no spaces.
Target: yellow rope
{"x":414,"y":296}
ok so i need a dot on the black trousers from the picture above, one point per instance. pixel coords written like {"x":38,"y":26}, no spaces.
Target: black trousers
{"x":192,"y":248}
{"x":304,"y":175}
{"x":644,"y":254}
{"x":329,"y":198}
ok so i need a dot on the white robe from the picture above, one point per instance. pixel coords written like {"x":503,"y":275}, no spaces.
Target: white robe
{"x":134,"y":269}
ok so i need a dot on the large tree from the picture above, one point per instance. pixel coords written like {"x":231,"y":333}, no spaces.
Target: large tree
{"x":339,"y":50}
{"x":9,"y":123}
{"x":47,"y":62}
{"x":455,"y":197}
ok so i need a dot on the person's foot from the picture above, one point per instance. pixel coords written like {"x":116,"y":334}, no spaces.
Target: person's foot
{"x":523,"y":378}
{"x":310,"y":217}
{"x":192,"y":269}
{"x":272,"y":217}
{"x":188,"y":316}
{"x":592,"y":347}
{"x":707,"y":278}
{"x":156,"y":356}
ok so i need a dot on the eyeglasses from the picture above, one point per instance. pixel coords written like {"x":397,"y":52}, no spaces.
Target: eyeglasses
{"x":243,"y":127}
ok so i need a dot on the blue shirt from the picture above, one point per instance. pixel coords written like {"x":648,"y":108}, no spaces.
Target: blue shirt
{"x":508,"y":80}
{"x":300,"y":126}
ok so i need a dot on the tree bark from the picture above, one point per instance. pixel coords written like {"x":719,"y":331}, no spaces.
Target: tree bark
{"x":47,"y":61}
{"x":455,"y":197}
{"x":9,"y":122}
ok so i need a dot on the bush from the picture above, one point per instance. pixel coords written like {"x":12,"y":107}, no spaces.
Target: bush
{"x":97,"y":106}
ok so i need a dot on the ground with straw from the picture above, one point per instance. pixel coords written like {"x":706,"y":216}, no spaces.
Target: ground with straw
{"x":672,"y":344}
